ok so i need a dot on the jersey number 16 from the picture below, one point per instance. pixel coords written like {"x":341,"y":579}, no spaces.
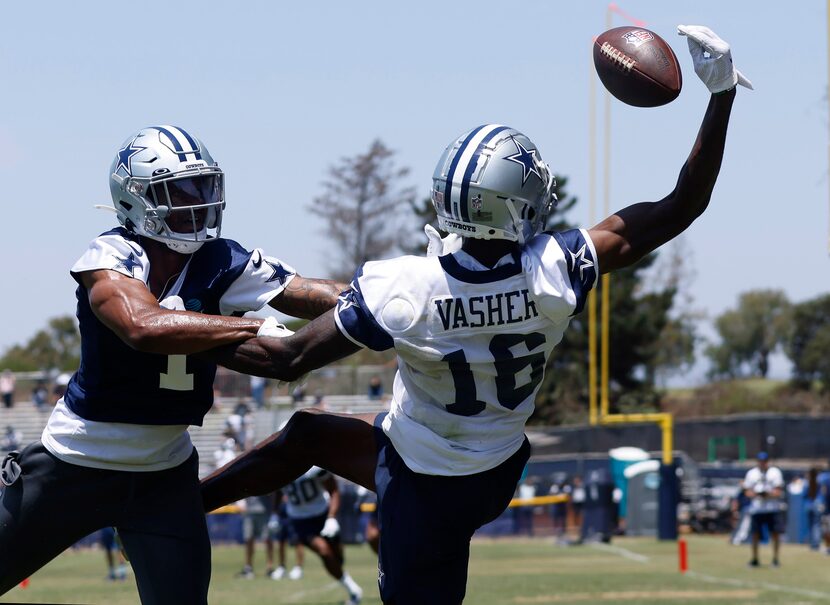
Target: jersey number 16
{"x":507,"y":367}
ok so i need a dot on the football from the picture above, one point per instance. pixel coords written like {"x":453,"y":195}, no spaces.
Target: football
{"x":637,"y":66}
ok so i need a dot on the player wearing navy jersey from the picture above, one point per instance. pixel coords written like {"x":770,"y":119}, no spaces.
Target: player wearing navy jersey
{"x":473,"y":329}
{"x":313,"y":501}
{"x":151,"y":293}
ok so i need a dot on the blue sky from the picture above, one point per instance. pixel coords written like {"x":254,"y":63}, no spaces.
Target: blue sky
{"x":280,"y":91}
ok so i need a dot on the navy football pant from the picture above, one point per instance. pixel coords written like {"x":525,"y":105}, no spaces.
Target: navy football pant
{"x":158,"y":515}
{"x":427,"y":521}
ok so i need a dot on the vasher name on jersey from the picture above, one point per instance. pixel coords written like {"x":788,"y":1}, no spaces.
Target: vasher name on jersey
{"x":484,"y":311}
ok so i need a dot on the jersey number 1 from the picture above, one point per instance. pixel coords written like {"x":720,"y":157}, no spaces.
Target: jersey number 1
{"x":176,"y":378}
{"x":507,"y":367}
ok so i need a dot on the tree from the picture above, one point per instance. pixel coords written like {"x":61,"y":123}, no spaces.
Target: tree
{"x":57,"y":347}
{"x":759,"y":325}
{"x":810,"y":342}
{"x":360,"y":206}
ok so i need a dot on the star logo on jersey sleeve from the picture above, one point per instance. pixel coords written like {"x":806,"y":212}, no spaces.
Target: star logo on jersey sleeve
{"x":129,"y":263}
{"x":125,"y":156}
{"x":578,"y":261}
{"x":346,"y":298}
{"x":278,"y":272}
{"x":526,"y":158}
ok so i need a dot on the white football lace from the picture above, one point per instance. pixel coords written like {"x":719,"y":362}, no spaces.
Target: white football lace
{"x":617,"y":56}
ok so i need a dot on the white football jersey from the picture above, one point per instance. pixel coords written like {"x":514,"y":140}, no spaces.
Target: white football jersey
{"x":472,"y":344}
{"x":307,"y":496}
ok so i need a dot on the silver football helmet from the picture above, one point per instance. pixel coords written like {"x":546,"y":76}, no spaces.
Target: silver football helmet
{"x":491,"y":183}
{"x":166,"y":186}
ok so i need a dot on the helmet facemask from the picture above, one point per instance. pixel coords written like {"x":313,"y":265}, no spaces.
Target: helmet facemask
{"x":166,"y":186}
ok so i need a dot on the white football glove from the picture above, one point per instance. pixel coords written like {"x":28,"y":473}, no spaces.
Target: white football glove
{"x":712,"y":59}
{"x":331,"y":528}
{"x":274,"y":523}
{"x":274,"y":329}
{"x":437,"y":246}
{"x":271,"y":327}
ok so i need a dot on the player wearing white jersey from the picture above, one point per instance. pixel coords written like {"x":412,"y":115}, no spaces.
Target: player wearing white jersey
{"x":312,"y":504}
{"x":473,"y":329}
{"x":152,"y":292}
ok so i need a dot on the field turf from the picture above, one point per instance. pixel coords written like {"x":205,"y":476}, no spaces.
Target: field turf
{"x":505,"y":571}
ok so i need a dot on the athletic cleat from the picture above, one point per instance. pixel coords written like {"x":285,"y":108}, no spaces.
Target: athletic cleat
{"x":247,"y":573}
{"x":278,"y":573}
{"x":296,"y":573}
{"x":753,"y":563}
{"x":355,"y":598}
{"x":775,"y":563}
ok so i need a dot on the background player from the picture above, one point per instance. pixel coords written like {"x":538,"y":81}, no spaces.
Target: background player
{"x":473,"y":330}
{"x":284,"y":534}
{"x":151,"y":293}
{"x":312,"y":503}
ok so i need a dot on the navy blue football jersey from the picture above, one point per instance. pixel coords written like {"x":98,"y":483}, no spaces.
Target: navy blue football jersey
{"x":116,"y":383}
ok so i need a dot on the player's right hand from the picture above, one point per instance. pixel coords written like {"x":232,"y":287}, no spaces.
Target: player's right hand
{"x":712,"y":59}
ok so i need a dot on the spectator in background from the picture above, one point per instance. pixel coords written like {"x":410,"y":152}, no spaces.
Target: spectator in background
{"x":298,"y":394}
{"x":39,"y":395}
{"x":282,"y":530}
{"x":226,"y":452}
{"x":764,"y":485}
{"x":12,"y":440}
{"x":559,"y":510}
{"x":239,"y":427}
{"x":523,"y":515}
{"x":258,"y":391}
{"x":111,"y":546}
{"x":255,"y":525}
{"x":375,"y":388}
{"x":61,"y":382}
{"x":814,"y":504}
{"x":7,"y":383}
{"x":577,"y":500}
{"x":823,"y":480}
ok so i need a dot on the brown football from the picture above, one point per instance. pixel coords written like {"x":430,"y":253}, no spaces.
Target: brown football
{"x":637,"y":66}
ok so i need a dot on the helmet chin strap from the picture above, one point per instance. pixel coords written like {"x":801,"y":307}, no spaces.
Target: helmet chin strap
{"x":518,"y":223}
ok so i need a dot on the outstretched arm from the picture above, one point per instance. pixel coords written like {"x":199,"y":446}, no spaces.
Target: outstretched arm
{"x":317,"y":344}
{"x":625,"y":237}
{"x":128,"y":308}
{"x":308,"y":298}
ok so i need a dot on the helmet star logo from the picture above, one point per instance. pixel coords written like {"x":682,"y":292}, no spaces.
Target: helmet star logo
{"x":584,"y":263}
{"x":526,"y":158}
{"x":125,"y":156}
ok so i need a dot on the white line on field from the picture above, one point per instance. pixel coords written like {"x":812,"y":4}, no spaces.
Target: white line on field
{"x":804,"y":592}
{"x":301,"y":594}
{"x":623,"y":552}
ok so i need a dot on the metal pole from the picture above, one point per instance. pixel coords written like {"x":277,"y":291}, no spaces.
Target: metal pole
{"x":592,"y":295}
{"x":606,"y":279}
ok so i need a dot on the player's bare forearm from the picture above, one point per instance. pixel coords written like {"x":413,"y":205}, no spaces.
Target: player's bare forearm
{"x":308,"y":298}
{"x":628,"y":235}
{"x":318,"y":343}
{"x":128,"y":308}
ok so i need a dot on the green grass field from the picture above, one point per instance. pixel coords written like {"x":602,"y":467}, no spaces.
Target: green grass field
{"x":530,"y":571}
